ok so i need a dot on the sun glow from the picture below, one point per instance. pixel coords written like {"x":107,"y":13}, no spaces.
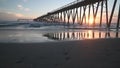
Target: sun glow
{"x":91,"y":21}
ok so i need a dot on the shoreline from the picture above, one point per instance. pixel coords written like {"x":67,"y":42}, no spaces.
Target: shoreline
{"x":63,"y":41}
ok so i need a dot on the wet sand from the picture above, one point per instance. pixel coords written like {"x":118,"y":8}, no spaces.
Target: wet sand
{"x":103,"y":53}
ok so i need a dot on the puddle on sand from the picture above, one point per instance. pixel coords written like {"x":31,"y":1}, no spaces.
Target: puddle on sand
{"x":82,"y":35}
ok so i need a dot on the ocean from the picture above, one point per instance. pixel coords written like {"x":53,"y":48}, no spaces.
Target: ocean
{"x":36,"y":32}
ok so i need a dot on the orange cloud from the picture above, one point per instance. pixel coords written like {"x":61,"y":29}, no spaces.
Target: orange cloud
{"x":19,"y":15}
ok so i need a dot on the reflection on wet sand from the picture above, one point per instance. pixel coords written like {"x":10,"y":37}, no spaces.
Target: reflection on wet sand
{"x":82,"y":35}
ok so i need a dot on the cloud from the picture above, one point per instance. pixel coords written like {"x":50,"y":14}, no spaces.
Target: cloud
{"x":19,"y":15}
{"x":15,"y":14}
{"x":20,"y":7}
{"x":10,"y":16}
{"x":7,"y":17}
{"x":27,"y":9}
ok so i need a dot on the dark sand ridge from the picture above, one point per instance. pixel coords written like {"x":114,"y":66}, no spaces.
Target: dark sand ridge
{"x":104,"y":53}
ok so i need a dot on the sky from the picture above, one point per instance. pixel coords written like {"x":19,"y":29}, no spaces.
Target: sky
{"x":14,"y":9}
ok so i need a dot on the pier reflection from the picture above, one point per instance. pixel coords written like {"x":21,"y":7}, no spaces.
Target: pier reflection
{"x":82,"y":35}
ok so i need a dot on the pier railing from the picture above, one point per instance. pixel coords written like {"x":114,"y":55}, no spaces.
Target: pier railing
{"x":72,"y":3}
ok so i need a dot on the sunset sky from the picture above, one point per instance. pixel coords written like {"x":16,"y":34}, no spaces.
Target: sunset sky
{"x":13,"y":9}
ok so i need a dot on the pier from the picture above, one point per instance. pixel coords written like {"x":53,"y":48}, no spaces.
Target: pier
{"x":85,"y":12}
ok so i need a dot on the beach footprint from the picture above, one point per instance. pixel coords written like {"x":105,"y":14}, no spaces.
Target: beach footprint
{"x":66,"y":54}
{"x":20,"y":60}
{"x":67,"y":58}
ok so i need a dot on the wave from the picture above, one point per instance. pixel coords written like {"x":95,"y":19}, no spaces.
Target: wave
{"x":37,"y":25}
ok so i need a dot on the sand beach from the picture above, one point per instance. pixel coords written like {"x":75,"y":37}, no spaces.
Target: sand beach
{"x":102,"y":53}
